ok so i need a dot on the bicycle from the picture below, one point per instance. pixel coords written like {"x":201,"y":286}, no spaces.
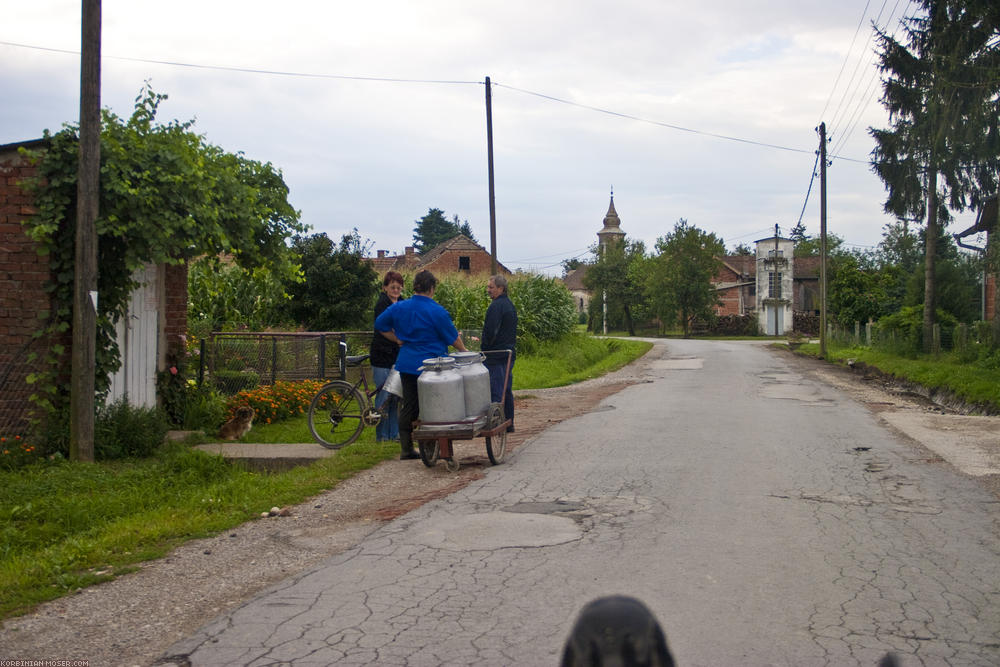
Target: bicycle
{"x":340,"y":410}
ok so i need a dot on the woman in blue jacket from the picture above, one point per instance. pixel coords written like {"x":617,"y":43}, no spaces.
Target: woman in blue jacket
{"x":422,"y":329}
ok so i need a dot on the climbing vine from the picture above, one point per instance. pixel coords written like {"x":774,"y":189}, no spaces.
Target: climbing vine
{"x":166,"y":196}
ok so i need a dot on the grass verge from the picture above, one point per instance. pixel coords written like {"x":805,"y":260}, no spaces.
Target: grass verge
{"x":967,"y":381}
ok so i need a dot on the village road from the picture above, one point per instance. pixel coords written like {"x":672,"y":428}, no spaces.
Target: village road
{"x":764,"y":515}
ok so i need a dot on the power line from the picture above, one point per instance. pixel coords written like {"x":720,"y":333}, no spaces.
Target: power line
{"x":248,"y":70}
{"x":652,"y":122}
{"x":313,"y":75}
{"x":844,"y":64}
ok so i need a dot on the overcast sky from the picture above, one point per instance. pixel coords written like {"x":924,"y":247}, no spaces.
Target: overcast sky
{"x":375,"y":111}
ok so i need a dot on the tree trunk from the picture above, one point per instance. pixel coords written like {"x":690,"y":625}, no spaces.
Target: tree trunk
{"x":993,"y":266}
{"x":930,"y":250}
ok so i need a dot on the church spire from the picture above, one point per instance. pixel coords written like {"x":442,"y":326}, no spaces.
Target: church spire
{"x":612,"y":224}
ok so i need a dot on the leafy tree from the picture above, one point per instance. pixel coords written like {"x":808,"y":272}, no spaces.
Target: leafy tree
{"x":339,"y":287}
{"x":858,"y":294}
{"x":744,"y":250}
{"x":679,"y":284}
{"x":798,"y":233}
{"x":571,"y":264}
{"x":617,"y":274}
{"x":810,"y":246}
{"x":943,"y":96}
{"x":434,"y":229}
{"x":166,"y":195}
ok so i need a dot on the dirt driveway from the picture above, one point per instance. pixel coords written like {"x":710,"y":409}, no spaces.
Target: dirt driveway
{"x":135,"y":618}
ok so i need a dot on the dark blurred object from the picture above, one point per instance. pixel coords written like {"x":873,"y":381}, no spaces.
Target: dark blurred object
{"x":616,"y":631}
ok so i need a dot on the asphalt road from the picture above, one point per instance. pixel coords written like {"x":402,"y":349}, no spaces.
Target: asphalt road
{"x":766,"y":517}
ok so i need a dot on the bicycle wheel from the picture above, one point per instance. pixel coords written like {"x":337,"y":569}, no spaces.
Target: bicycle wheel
{"x":335,"y":415}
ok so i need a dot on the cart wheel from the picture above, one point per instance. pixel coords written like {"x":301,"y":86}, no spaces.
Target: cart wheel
{"x":496,"y":447}
{"x":428,"y":452}
{"x":494,"y":415}
{"x":452,"y":465}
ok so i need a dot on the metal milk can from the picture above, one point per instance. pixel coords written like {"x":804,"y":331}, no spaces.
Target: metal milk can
{"x":476,"y":382}
{"x":440,"y":391}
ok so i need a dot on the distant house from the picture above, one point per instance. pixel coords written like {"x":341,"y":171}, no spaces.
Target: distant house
{"x":156,"y":322}
{"x":459,"y":254}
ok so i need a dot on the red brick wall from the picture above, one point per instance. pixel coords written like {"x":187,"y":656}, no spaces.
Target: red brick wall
{"x":479,"y":262}
{"x":175,"y":327}
{"x":24,"y":304}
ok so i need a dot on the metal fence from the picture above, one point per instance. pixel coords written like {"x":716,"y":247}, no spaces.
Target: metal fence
{"x":961,"y":337}
{"x":233,"y":361}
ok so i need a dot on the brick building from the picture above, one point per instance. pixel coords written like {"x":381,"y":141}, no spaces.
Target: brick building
{"x":25,"y":305}
{"x":459,"y":254}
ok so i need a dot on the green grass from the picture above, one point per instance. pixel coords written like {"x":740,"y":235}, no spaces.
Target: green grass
{"x":969,"y":381}
{"x":556,"y":364}
{"x":65,"y":526}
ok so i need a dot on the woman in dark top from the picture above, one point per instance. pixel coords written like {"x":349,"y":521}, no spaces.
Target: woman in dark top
{"x":383,"y":355}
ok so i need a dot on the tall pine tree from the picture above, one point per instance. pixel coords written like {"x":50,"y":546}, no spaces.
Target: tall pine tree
{"x":941,"y":90}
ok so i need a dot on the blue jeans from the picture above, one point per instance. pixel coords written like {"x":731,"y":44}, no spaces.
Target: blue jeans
{"x":497,"y":380}
{"x":388,"y":428}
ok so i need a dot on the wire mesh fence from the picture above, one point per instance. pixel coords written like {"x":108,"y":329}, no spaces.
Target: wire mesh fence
{"x":231,"y":362}
{"x":16,"y":409}
{"x":944,"y":338}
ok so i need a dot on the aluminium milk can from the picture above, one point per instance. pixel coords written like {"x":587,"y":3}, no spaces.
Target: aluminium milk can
{"x":476,"y":382}
{"x":440,"y":391}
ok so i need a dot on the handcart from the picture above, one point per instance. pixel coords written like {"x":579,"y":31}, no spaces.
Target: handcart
{"x":434,"y":439}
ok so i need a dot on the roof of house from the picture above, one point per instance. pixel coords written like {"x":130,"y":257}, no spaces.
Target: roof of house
{"x":412,"y":261}
{"x":985,"y":220}
{"x":574,"y":279}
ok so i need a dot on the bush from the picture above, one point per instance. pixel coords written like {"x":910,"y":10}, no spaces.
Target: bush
{"x":275,"y":402}
{"x":903,"y":331}
{"x":122,"y":430}
{"x":205,"y":409}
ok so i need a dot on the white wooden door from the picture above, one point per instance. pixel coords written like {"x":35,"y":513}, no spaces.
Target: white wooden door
{"x":138,"y":334}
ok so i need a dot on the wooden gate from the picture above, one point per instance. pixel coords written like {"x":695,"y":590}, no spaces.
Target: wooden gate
{"x":138,"y":340}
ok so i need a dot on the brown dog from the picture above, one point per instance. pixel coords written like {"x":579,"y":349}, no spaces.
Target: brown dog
{"x":238,"y":426}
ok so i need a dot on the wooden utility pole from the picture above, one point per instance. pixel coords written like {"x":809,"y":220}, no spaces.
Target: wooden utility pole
{"x":81,"y":447}
{"x":822,"y":240}
{"x":489,"y":159}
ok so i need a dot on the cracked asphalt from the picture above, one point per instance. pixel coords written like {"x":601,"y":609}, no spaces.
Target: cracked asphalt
{"x":764,"y":515}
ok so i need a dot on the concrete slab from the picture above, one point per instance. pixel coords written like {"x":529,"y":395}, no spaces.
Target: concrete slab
{"x":269,"y":457}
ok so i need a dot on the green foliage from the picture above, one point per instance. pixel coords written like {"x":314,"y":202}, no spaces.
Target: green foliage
{"x":434,"y":229}
{"x":339,"y":286}
{"x":679,"y":283}
{"x":857,"y":295}
{"x":122,"y":430}
{"x":573,"y":358}
{"x":545,"y":309}
{"x":62,"y":521}
{"x":166,"y":195}
{"x":619,"y":273}
{"x":223,"y":296}
{"x":808,"y":246}
{"x":902,"y":331}
{"x":204,"y":410}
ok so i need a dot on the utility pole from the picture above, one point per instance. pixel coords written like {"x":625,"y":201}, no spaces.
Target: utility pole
{"x":822,"y":240}
{"x":489,"y":159}
{"x":81,"y":444}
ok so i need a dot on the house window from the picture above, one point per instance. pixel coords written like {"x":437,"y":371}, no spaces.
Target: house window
{"x":774,"y":285}
{"x":463,"y":263}
{"x":775,"y":254}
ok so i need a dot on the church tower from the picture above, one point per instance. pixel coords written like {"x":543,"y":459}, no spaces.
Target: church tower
{"x":612,"y":230}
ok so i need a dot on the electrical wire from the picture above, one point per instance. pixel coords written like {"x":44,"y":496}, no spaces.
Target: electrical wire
{"x":844,"y":64}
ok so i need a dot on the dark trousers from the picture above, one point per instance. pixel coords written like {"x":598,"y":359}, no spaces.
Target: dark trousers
{"x":497,"y":377}
{"x":409,"y":411}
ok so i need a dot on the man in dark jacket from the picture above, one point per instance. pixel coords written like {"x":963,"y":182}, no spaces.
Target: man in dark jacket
{"x":500,"y":333}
